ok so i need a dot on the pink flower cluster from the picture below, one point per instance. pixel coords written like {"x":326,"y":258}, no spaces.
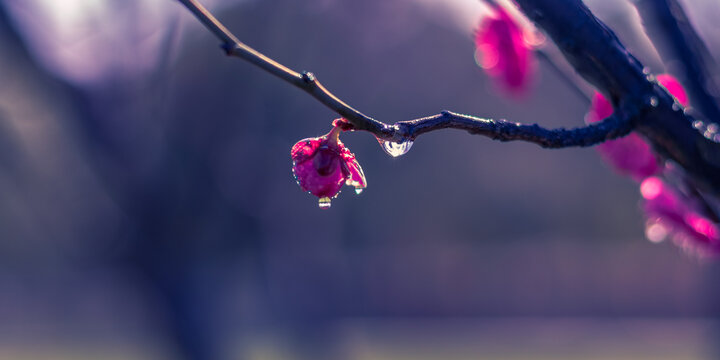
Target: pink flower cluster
{"x":502,"y":51}
{"x":669,"y":212}
{"x":631,"y":155}
{"x":322,"y":165}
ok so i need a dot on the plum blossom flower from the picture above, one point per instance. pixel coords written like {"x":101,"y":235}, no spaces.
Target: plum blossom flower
{"x":670,"y":213}
{"x":322,"y":165}
{"x":631,"y":155}
{"x":502,"y":51}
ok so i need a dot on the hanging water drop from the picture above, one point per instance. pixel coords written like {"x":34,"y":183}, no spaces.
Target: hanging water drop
{"x":395,"y":149}
{"x":358,"y":191}
{"x":324,"y":202}
{"x":653,"y":101}
{"x":655,"y":232}
{"x":713,"y":127}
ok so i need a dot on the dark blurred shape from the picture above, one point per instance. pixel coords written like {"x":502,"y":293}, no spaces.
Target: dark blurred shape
{"x":683,"y":51}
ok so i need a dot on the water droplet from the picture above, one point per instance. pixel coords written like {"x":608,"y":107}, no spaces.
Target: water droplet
{"x":713,"y":128}
{"x":308,"y":77}
{"x":534,"y":38}
{"x":358,"y":191}
{"x":650,"y":78}
{"x":698,"y":124}
{"x":676,"y":106}
{"x":653,"y":101}
{"x":324,"y":202}
{"x":655,"y":232}
{"x":646,"y":70}
{"x":395,"y":149}
{"x":294,"y":174}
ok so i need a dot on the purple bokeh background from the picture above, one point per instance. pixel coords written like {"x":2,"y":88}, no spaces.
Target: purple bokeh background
{"x":149,"y":209}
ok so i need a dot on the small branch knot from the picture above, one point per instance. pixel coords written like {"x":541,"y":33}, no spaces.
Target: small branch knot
{"x":229,"y":48}
{"x":403,"y":132}
{"x":308,"y":77}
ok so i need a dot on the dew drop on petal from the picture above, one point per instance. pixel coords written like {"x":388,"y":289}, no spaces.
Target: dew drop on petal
{"x":653,"y":101}
{"x":324,"y":202}
{"x":534,"y":38}
{"x":651,"y":188}
{"x":395,"y":149}
{"x":486,"y":57}
{"x":358,"y":191}
{"x":655,"y":232}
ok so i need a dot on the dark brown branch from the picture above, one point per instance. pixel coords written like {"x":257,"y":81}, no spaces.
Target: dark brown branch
{"x":615,"y":126}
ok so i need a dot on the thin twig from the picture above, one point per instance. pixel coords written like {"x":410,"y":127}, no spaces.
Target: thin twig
{"x":617,"y":125}
{"x":305,"y":81}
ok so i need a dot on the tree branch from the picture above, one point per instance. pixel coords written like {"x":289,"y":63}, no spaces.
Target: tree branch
{"x":599,"y":57}
{"x":595,"y":53}
{"x":305,"y":81}
{"x":615,"y":126}
{"x":675,"y":39}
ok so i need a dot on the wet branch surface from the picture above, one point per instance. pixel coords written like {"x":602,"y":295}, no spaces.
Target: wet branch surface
{"x":589,"y":46}
{"x":676,"y":40}
{"x":599,"y":57}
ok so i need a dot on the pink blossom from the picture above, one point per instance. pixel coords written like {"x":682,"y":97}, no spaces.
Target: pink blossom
{"x":631,"y":155}
{"x":673,"y":86}
{"x":322,"y":165}
{"x":671,"y":213}
{"x":502,"y":51}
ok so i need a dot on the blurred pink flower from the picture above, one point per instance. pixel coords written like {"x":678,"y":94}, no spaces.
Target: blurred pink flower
{"x":674,"y":87}
{"x":322,"y":165}
{"x":502,"y":51}
{"x":669,"y":212}
{"x":631,"y":155}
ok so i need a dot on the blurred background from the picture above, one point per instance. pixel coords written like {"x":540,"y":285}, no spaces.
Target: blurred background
{"x":149,"y":210}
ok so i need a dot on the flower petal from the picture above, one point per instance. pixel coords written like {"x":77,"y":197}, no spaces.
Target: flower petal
{"x":689,"y":229}
{"x":503,"y":52}
{"x":323,"y":164}
{"x":631,"y":155}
